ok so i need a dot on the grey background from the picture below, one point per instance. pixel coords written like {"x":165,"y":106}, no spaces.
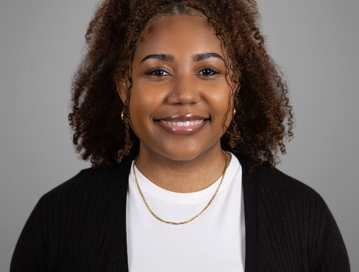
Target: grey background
{"x":315,"y":43}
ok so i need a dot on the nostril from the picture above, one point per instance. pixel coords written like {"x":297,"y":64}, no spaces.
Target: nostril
{"x":184,"y":97}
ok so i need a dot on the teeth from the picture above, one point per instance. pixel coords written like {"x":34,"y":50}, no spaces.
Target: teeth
{"x":183,"y":124}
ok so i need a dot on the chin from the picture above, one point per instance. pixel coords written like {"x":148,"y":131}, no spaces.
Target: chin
{"x":182,"y":153}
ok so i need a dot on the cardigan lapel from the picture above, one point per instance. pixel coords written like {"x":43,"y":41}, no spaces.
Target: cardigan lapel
{"x":249,"y":183}
{"x":120,"y":174}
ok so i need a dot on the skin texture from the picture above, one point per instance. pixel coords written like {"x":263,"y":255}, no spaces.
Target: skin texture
{"x":180,"y":163}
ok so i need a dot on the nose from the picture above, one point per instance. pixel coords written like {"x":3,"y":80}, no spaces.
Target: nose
{"x":184,"y":90}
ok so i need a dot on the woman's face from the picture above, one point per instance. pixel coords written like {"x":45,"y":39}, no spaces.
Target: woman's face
{"x":179,"y":95}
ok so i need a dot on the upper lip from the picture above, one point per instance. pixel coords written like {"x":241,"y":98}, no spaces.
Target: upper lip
{"x":182,"y":118}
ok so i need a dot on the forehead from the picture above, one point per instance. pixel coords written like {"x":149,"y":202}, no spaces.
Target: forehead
{"x":181,"y":34}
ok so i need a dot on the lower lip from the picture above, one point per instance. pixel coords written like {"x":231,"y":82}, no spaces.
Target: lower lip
{"x":182,"y":130}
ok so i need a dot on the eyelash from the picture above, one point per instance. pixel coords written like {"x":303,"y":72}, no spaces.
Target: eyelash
{"x":152,"y":72}
{"x":210,"y":70}
{"x":155,"y":71}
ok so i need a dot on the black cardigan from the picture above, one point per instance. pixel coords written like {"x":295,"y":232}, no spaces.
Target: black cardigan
{"x":81,"y":225}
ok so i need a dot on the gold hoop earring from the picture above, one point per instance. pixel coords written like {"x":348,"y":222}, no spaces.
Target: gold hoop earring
{"x":234,"y":112}
{"x":122,"y":115}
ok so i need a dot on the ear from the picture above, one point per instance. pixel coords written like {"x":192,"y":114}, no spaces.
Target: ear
{"x":122,"y":89}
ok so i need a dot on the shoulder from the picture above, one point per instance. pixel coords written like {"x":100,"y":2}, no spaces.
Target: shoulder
{"x":88,"y":186}
{"x":86,"y":201}
{"x":80,"y":183}
{"x":273,"y":183}
{"x":296,"y":211}
{"x":283,"y":201}
{"x":293,"y":203}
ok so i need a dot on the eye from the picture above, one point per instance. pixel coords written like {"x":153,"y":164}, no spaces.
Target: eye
{"x":156,"y":72}
{"x":207,"y":72}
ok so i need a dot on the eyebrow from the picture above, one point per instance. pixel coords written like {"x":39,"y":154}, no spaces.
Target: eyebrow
{"x":202,"y":56}
{"x":170,"y":58}
{"x":164,"y":57}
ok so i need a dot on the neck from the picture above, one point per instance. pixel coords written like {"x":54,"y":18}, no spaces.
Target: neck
{"x":183,"y":176}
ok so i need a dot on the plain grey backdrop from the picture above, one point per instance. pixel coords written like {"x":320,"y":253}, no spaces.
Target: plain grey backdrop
{"x":315,"y":43}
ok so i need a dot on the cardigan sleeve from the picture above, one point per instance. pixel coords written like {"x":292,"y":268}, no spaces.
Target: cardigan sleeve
{"x":30,"y":253}
{"x":331,"y":254}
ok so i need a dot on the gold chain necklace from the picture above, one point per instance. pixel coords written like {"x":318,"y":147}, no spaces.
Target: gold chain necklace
{"x":193,"y":218}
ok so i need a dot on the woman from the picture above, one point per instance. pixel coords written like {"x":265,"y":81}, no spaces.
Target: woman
{"x":182,"y":113}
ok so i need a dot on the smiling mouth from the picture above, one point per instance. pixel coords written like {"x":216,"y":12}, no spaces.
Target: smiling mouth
{"x":183,"y":125}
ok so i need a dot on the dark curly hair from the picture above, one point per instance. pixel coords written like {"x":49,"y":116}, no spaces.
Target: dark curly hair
{"x":264,"y":117}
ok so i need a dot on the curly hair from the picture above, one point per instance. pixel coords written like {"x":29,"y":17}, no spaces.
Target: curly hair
{"x":264,"y":118}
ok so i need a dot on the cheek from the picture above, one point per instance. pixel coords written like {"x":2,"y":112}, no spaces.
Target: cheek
{"x":148,"y":95}
{"x":141,"y":98}
{"x":218,"y":97}
{"x":144,"y":102}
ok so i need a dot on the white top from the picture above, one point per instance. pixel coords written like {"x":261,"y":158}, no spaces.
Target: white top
{"x":214,"y":241}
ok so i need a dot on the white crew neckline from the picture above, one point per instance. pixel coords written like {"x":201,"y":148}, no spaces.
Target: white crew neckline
{"x":148,"y":187}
